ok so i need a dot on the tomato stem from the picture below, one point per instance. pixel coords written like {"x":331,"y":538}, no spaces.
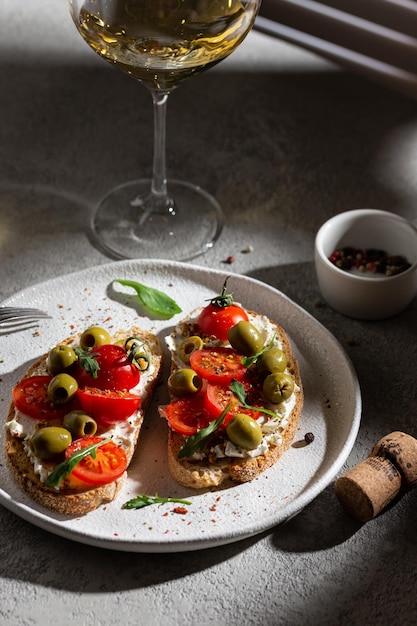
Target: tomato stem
{"x":224,"y":299}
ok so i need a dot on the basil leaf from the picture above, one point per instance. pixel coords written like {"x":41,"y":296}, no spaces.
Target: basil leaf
{"x":143,"y":500}
{"x":65,"y":468}
{"x":153,"y":300}
{"x":199,"y":439}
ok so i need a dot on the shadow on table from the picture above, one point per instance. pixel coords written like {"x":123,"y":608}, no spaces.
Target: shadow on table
{"x":52,"y":228}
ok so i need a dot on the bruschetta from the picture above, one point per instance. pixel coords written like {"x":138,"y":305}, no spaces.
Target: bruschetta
{"x":236,"y":395}
{"x":76,"y":415}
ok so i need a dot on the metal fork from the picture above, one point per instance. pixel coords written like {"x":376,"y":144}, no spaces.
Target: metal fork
{"x":19,"y":318}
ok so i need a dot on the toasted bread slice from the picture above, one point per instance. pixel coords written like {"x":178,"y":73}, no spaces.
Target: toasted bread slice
{"x":210,"y":470}
{"x":77,"y":499}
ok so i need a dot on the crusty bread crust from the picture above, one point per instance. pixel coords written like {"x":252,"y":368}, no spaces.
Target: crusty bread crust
{"x":73,"y":500}
{"x":206,"y":473}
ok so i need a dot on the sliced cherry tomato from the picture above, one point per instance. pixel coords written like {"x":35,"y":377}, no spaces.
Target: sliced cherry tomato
{"x":217,"y":321}
{"x":108,"y":465}
{"x":187,"y":415}
{"x":30,"y":396}
{"x":219,"y":366}
{"x":216,"y":400}
{"x":115,"y":370}
{"x":107,"y":407}
{"x":218,"y":397}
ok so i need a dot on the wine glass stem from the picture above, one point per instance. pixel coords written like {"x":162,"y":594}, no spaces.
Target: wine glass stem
{"x":159,"y":189}
{"x":157,"y":200}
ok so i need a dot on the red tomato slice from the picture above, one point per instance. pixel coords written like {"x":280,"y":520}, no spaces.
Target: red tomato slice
{"x":216,"y":400}
{"x":218,"y":397}
{"x":219,"y":366}
{"x":215,"y":320}
{"x":187,"y":415}
{"x":108,"y":465}
{"x":30,"y":396}
{"x":107,"y":407}
{"x":116,"y":371}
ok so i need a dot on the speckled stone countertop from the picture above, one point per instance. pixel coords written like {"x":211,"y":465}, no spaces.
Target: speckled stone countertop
{"x":284,"y":140}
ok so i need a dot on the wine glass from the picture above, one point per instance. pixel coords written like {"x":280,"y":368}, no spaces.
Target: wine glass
{"x":161,"y":43}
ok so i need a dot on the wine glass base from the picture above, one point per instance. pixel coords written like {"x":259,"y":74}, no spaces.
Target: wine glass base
{"x":125,"y":229}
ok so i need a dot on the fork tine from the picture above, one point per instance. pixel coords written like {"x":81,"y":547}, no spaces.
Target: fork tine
{"x":16,"y":309}
{"x":11,"y":314}
{"x":18,"y":327}
{"x":18,"y":321}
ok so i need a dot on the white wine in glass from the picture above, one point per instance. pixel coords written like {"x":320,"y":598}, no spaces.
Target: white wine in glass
{"x":161,"y":43}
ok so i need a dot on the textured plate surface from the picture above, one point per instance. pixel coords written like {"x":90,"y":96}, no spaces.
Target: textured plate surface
{"x":331,"y":412}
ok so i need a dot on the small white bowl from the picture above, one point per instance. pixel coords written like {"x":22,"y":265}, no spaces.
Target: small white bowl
{"x":367,"y":296}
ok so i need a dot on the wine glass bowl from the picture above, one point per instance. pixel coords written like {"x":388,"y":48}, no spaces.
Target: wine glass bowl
{"x":161,"y":43}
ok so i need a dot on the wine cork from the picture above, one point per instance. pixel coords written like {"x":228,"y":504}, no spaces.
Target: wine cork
{"x":366,"y":489}
{"x":400,"y":449}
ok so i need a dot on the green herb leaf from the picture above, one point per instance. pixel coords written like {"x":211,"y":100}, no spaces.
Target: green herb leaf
{"x":153,"y":300}
{"x":239,"y":391}
{"x":250,"y":360}
{"x":87,"y":361}
{"x":199,"y":439}
{"x":143,"y":500}
{"x":65,"y":468}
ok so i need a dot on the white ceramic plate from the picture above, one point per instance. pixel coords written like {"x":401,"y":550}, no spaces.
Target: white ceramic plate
{"x":331,"y":412}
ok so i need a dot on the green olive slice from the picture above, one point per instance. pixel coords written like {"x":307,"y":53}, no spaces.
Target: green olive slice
{"x":187,"y":347}
{"x":80,"y":424}
{"x":94,"y":336}
{"x":184,"y":382}
{"x":61,"y":388}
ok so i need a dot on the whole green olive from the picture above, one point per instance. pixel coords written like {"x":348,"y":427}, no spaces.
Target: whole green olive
{"x":48,"y":442}
{"x":60,"y":359}
{"x":61,"y":388}
{"x":278,"y":386}
{"x":94,"y":336}
{"x":245,"y":338}
{"x":244,"y":431}
{"x":80,"y":424}
{"x":273,"y":360}
{"x":188,"y":346}
{"x":184,"y":382}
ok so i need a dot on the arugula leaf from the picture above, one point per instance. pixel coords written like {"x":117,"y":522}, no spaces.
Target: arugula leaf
{"x":87,"y":361}
{"x":65,"y":468}
{"x":199,"y":439}
{"x":239,"y":391}
{"x":153,"y":300}
{"x":250,"y":360}
{"x":143,"y":500}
